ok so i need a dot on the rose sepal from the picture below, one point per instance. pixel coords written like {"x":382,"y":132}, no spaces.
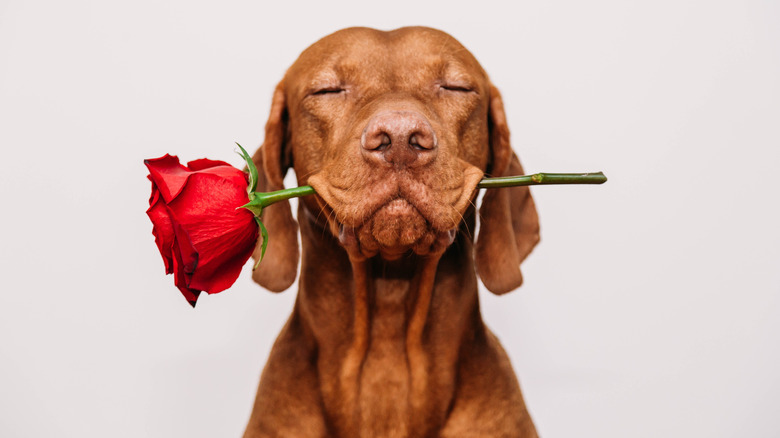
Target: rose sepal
{"x":252,"y":170}
{"x":259,"y":200}
{"x":264,"y":245}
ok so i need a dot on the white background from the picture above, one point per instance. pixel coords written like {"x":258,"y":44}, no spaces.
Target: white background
{"x":650,"y":307}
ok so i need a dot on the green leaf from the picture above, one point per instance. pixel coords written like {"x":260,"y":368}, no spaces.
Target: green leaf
{"x":264,"y":245}
{"x":252,"y":169}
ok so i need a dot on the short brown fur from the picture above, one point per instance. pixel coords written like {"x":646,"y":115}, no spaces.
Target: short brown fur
{"x":386,"y":337}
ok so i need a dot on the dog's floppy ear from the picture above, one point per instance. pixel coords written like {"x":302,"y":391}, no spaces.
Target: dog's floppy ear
{"x":279,"y":267}
{"x":509,"y":226}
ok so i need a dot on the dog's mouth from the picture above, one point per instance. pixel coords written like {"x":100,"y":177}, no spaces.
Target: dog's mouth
{"x":396,"y":215}
{"x":395,"y":229}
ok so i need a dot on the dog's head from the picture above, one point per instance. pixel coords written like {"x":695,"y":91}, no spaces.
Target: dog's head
{"x":393,"y":130}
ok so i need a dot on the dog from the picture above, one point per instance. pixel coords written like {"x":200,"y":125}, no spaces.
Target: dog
{"x":394,"y":130}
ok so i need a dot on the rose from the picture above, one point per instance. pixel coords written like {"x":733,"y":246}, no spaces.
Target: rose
{"x":202,"y":235}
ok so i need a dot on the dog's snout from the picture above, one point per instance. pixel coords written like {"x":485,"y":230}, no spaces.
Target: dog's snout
{"x":402,"y":138}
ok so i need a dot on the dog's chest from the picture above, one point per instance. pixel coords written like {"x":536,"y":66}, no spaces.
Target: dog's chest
{"x":384,"y":378}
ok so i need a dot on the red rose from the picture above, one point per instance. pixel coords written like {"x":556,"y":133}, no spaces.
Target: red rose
{"x":202,"y":235}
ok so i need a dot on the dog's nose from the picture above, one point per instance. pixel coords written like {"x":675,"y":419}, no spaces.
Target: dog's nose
{"x":401,"y":138}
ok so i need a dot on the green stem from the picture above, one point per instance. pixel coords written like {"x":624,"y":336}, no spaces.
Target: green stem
{"x":269,"y":198}
{"x":543,"y":178}
{"x":260,"y":200}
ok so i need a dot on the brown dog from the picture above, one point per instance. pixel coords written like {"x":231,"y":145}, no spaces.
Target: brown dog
{"x":394,"y":130}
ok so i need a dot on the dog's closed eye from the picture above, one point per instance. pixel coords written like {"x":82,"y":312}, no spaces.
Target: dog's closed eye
{"x":327,"y":90}
{"x":463,"y":88}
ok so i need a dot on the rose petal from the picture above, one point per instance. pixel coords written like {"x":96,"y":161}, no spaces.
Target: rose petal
{"x":235,"y":176}
{"x":189,"y":256}
{"x":221,"y":271}
{"x":162,"y":228}
{"x":205,"y":163}
{"x":180,"y":279}
{"x":167,"y":175}
{"x":202,"y":235}
{"x":222,"y":235}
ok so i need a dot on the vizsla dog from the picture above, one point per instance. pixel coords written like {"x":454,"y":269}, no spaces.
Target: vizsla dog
{"x":394,"y":130}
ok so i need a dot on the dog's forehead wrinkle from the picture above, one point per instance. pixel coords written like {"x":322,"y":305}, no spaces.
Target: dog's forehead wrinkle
{"x":455,"y":74}
{"x":324,"y":77}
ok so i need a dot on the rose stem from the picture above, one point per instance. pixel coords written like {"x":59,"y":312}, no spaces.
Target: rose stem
{"x":267,"y":198}
{"x":543,"y":178}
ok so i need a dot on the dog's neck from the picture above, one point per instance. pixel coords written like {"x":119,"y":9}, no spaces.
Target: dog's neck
{"x":326,"y":262}
{"x":370,"y":321}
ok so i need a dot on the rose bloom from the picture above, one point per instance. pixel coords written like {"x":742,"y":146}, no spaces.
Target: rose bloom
{"x":202,"y":235}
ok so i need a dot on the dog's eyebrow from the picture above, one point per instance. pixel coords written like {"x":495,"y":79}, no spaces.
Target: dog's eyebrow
{"x":336,"y":71}
{"x":454,"y":72}
{"x":322,"y":79}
